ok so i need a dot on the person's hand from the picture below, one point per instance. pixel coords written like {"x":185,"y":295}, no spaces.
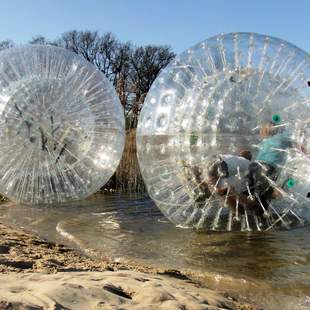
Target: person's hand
{"x":276,"y":194}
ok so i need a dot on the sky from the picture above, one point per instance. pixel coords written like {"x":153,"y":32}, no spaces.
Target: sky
{"x":178,"y":23}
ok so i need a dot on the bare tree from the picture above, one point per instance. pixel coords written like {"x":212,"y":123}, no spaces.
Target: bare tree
{"x":98,"y":49}
{"x":107,"y":54}
{"x":131,"y":70}
{"x":6,"y":44}
{"x":121,"y":68}
{"x":146,"y":64}
{"x":84,"y":43}
{"x":110,"y":56}
{"x":39,"y":40}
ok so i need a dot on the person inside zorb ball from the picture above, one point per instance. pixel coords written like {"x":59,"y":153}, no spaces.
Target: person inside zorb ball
{"x":61,"y":126}
{"x":223,"y":136}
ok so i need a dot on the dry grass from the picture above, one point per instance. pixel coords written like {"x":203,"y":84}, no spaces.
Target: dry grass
{"x":127,"y":176}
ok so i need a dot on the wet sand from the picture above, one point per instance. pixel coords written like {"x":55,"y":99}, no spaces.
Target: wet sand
{"x":38,"y":274}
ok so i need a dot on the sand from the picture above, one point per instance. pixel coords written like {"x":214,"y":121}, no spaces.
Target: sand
{"x":38,"y":274}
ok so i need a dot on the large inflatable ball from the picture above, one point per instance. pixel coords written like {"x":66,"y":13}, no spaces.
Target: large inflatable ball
{"x":61,"y":126}
{"x":223,"y":137}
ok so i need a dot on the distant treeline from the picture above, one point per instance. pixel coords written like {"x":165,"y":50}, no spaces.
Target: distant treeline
{"x":130,"y":68}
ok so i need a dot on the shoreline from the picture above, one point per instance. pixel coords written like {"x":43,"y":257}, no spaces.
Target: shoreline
{"x":34,"y":272}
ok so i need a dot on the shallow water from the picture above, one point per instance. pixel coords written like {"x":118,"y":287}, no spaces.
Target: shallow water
{"x":272,"y":269}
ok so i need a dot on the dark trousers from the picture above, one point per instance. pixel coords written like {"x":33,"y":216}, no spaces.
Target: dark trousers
{"x":259,"y":181}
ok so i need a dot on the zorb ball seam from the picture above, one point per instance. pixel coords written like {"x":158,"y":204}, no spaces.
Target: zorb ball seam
{"x":223,"y":135}
{"x":61,"y":126}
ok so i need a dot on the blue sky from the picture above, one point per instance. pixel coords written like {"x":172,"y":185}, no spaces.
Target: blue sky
{"x":180,"y":24}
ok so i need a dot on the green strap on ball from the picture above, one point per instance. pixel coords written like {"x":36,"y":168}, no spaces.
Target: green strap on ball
{"x":290,"y":183}
{"x":276,"y":118}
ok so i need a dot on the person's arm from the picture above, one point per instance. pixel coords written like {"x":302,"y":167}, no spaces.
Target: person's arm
{"x":296,"y":145}
{"x":215,"y":186}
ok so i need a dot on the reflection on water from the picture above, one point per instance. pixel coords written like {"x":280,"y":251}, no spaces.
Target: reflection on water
{"x":271,"y":268}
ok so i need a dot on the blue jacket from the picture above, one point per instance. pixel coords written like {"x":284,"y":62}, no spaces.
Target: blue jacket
{"x":272,"y":150}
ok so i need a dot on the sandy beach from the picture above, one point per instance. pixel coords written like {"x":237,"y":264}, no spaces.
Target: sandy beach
{"x":38,"y":274}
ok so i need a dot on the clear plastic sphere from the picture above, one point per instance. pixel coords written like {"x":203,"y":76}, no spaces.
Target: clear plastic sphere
{"x":61,"y":126}
{"x":223,"y":136}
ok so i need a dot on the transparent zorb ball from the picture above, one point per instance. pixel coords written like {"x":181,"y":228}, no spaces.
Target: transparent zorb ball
{"x":220,"y":129}
{"x":61,"y":126}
